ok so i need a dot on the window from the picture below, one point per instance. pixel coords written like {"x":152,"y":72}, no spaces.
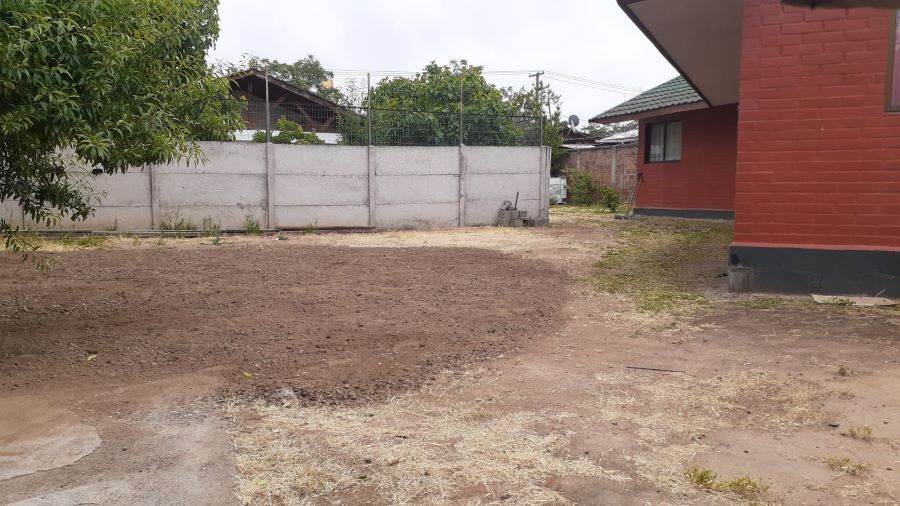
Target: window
{"x":664,"y":142}
{"x":892,"y":93}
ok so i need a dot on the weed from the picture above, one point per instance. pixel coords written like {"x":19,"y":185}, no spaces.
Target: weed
{"x":175,"y":222}
{"x":209,"y":227}
{"x":861,"y":432}
{"x":251,"y":225}
{"x":743,"y":485}
{"x":135,"y":241}
{"x":581,"y":187}
{"x":762,"y":302}
{"x":843,"y":370}
{"x":113,"y":226}
{"x":847,"y":466}
{"x":653,"y":264}
{"x":311,"y":228}
{"x":839,"y":301}
{"x":88,"y":241}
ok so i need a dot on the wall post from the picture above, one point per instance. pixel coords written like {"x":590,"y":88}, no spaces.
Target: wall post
{"x":270,"y":186}
{"x":154,"y":198}
{"x":370,"y":161}
{"x":612,"y":169}
{"x":462,"y":185}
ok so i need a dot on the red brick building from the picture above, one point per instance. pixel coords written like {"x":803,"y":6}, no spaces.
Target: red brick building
{"x":794,"y":128}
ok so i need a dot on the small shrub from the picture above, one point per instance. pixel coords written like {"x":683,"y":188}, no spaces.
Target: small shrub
{"x":289,"y":132}
{"x":861,"y":432}
{"x":251,"y":225}
{"x":581,"y":188}
{"x":843,"y":370}
{"x":311,"y":228}
{"x":845,"y":465}
{"x":706,"y":479}
{"x":609,"y":198}
{"x":112,"y":227}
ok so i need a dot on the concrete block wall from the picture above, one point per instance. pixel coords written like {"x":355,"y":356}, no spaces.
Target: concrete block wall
{"x":287,"y":186}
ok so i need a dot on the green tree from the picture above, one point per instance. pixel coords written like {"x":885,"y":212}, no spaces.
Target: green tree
{"x":305,"y":73}
{"x":543,"y":102}
{"x":108,"y":84}
{"x":424,"y":109}
{"x":289,"y":133}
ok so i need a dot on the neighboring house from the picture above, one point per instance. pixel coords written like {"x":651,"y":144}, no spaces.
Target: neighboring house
{"x":611,"y":161}
{"x":572,"y":136}
{"x":789,"y":119}
{"x":311,"y":111}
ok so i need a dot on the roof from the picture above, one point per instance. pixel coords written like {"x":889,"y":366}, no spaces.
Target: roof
{"x":288,"y":87}
{"x":620,"y":138}
{"x":673,"y":93}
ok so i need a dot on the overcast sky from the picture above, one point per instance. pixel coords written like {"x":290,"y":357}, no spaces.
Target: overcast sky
{"x":590,"y":39}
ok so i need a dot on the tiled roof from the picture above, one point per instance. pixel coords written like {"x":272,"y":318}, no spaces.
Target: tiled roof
{"x":671,"y":93}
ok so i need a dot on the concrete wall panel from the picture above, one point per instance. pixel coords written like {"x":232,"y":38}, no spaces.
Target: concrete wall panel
{"x":321,"y":190}
{"x":129,"y":189}
{"x":502,"y":160}
{"x":416,"y":160}
{"x":321,"y":216}
{"x":417,"y":189}
{"x":188,"y":190}
{"x":500,"y":187}
{"x":226,"y":217}
{"x":223,"y":158}
{"x":417,"y":215}
{"x":11,"y":213}
{"x":320,"y":160}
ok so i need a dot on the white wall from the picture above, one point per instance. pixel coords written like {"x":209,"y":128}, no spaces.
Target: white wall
{"x":287,"y":186}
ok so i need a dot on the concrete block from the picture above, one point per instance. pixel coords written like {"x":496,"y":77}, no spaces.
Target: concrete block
{"x":417,"y":190}
{"x":320,"y":160}
{"x":320,"y":190}
{"x":416,"y":160}
{"x":486,"y":212}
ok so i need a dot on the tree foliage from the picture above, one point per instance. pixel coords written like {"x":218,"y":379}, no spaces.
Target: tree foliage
{"x":288,"y":133}
{"x":107,"y":84}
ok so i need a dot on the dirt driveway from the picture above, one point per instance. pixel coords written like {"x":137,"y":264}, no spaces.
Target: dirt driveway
{"x":467,"y":366}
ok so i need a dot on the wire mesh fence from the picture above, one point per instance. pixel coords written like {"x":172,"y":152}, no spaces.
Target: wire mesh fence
{"x":359,"y":126}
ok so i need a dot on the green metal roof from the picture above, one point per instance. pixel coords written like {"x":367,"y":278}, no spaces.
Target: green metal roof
{"x":668,"y":94}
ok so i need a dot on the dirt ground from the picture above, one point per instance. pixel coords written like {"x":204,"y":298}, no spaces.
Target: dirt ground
{"x":470,"y":366}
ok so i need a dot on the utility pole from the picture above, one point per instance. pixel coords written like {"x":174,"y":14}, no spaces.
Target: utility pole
{"x":537,"y":98}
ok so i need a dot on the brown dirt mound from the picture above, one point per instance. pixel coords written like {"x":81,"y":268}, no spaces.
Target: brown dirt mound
{"x":333,"y":323}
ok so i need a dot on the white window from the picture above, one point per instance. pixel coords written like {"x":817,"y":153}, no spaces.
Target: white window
{"x":664,"y":142}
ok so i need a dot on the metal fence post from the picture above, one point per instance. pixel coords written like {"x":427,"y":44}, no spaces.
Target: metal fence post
{"x":461,"y":92}
{"x":369,"y":105}
{"x":268,"y":114}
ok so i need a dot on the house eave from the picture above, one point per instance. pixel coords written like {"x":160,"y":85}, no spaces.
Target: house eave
{"x":693,"y":106}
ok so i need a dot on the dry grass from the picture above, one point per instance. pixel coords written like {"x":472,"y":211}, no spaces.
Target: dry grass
{"x":846,"y":465}
{"x":408,"y":450}
{"x":666,"y":410}
{"x":657,"y":264}
{"x":861,"y":432}
{"x":744,"y":486}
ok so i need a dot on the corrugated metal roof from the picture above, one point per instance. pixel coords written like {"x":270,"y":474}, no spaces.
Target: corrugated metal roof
{"x":619,"y":138}
{"x":671,"y":93}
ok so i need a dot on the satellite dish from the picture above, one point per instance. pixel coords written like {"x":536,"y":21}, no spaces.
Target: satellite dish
{"x":573,"y":121}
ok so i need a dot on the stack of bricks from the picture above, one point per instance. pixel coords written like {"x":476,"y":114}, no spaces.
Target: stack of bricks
{"x":512,"y":218}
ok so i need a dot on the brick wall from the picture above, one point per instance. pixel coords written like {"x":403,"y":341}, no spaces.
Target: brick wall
{"x":598,"y":163}
{"x":704,"y":178}
{"x":818,"y":156}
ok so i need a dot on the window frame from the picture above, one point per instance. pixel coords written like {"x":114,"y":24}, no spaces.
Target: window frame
{"x":665,"y":126}
{"x":889,"y":106}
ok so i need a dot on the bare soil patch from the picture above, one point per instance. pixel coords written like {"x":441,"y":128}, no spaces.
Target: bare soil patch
{"x":332,"y":323}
